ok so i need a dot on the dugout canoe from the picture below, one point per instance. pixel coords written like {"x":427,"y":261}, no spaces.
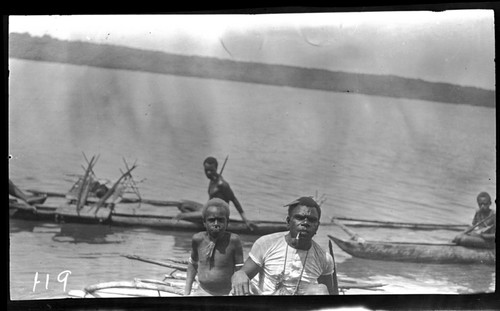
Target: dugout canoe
{"x":443,"y":253}
{"x":129,"y":215}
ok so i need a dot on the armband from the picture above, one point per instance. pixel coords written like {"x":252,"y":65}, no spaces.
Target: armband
{"x":239,"y":265}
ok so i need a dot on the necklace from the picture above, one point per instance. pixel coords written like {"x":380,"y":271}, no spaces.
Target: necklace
{"x":281,"y":276}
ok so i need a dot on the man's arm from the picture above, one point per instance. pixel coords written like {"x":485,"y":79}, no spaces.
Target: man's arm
{"x":327,"y":280}
{"x":238,"y":252}
{"x":192,"y":268}
{"x":241,"y":278}
{"x":229,"y":194}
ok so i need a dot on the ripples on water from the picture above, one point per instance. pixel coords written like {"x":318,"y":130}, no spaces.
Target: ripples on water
{"x":373,"y":157}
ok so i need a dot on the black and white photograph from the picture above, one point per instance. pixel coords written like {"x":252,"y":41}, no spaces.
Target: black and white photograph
{"x":179,"y":156}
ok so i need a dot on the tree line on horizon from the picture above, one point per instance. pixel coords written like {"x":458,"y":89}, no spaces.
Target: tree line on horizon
{"x":46,"y":48}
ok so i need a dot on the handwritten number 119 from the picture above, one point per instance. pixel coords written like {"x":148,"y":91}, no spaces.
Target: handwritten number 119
{"x":61,"y":278}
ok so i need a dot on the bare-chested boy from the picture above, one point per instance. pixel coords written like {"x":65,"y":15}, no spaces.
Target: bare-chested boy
{"x":215,"y":255}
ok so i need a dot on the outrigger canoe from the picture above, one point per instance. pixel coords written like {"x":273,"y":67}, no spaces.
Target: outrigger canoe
{"x":127,"y":214}
{"x":444,"y":253}
{"x":172,"y":288}
{"x":173,"y":285}
{"x":114,"y":206}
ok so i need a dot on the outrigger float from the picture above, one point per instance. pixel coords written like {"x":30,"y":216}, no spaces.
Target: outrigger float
{"x":173,"y":284}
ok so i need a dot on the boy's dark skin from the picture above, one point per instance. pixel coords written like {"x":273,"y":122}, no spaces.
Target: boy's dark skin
{"x":214,"y":271}
{"x":217,"y":188}
{"x":488,"y":228}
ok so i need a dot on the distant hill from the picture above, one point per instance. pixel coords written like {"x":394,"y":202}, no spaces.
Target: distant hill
{"x":46,"y":48}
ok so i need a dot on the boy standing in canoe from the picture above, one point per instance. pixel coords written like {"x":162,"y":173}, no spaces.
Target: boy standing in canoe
{"x":217,"y":188}
{"x":215,"y":254}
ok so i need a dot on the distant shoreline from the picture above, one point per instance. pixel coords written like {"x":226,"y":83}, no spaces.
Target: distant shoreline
{"x":46,"y":48}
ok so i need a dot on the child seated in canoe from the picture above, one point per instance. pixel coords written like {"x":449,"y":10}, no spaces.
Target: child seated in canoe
{"x":216,"y":253}
{"x":483,"y":226}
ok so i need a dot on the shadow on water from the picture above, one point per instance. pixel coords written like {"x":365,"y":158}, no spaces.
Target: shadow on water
{"x":90,"y":234}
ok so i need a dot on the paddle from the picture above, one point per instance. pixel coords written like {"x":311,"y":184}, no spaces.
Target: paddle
{"x":334,"y":275}
{"x":457,"y":238}
{"x":478,"y":224}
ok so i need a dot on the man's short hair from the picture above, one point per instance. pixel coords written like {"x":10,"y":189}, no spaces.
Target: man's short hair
{"x":211,"y":161}
{"x":217,"y":203}
{"x":484,"y":195}
{"x":305,"y":201}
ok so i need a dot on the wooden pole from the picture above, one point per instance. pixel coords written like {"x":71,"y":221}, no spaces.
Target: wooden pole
{"x":112,"y":189}
{"x":176,"y":266}
{"x":224,"y":165}
{"x":334,"y":275}
{"x":84,"y":190}
{"x":354,"y":236}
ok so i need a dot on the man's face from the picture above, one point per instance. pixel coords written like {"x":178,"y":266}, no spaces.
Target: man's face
{"x":483,"y":203}
{"x":210,"y":171}
{"x":303,"y":220}
{"x":215,"y":221}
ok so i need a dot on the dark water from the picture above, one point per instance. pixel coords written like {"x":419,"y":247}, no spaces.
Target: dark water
{"x":373,"y":157}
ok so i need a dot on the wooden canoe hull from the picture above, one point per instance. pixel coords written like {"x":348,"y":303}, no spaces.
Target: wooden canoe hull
{"x":173,"y":287}
{"x":417,"y":252}
{"x":125,"y":289}
{"x":68,"y":214}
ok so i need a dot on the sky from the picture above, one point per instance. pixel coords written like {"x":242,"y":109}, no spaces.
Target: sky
{"x":454,"y":46}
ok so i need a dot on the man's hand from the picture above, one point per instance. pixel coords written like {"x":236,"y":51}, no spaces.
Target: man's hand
{"x":240,"y":283}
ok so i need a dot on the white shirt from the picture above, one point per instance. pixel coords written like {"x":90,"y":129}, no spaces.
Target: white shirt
{"x":268,"y":252}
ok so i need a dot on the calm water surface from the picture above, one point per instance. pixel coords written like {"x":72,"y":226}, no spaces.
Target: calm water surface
{"x":373,"y":157}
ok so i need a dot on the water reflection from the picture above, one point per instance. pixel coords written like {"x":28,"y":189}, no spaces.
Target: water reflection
{"x":91,"y":234}
{"x":420,"y":277}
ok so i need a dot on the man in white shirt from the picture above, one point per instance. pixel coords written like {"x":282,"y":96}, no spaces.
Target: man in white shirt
{"x":289,"y":263}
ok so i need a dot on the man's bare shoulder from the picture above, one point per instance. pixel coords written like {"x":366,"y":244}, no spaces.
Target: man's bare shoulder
{"x":199,"y":237}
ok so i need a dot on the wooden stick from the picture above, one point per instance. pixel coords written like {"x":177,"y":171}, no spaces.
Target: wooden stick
{"x":478,"y":224}
{"x":134,"y":185}
{"x":83,"y":193}
{"x":354,"y":236}
{"x":224,"y":165}
{"x":399,"y":223}
{"x":136,"y":284}
{"x":86,"y":160}
{"x":180,"y":267}
{"x":112,"y":189}
{"x":334,"y":275}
